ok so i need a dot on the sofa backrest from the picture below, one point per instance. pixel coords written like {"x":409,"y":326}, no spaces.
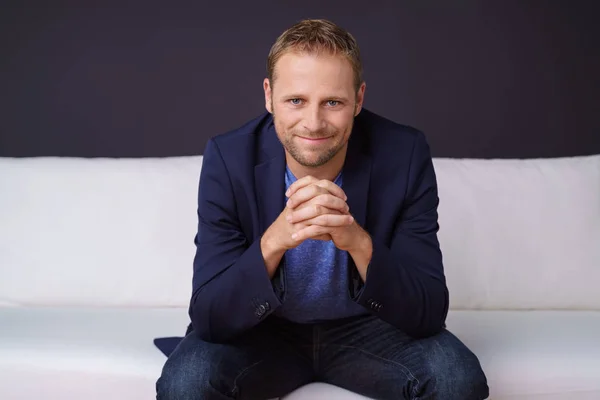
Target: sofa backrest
{"x":515,"y":234}
{"x":97,"y":232}
{"x":521,"y":234}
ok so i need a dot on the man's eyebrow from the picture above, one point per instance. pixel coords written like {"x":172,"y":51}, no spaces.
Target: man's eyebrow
{"x":326,"y":98}
{"x":293,"y":96}
{"x":337,"y":98}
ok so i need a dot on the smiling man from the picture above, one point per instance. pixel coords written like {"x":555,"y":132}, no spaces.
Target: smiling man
{"x":317,"y":252}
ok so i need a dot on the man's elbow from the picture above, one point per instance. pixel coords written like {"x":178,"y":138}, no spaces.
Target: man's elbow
{"x":431,"y":319}
{"x":434,"y":318}
{"x":206,"y":325}
{"x":199,"y":315}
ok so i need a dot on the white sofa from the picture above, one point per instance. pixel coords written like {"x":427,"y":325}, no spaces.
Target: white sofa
{"x":96,"y":262}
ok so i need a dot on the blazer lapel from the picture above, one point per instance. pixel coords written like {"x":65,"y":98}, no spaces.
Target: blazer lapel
{"x":269,"y":178}
{"x":357,"y":173}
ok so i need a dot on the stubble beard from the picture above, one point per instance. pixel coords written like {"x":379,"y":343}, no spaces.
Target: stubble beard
{"x":287,"y":140}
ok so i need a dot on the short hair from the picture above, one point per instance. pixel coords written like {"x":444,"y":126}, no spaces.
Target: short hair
{"x":316,"y":36}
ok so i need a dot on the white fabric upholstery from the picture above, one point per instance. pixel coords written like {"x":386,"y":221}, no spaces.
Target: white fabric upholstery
{"x":83,"y":353}
{"x":113,"y":240}
{"x":97,"y":232}
{"x":534,"y":353}
{"x":100,"y":353}
{"x":512,"y":231}
{"x":323,"y":391}
{"x":521,"y":234}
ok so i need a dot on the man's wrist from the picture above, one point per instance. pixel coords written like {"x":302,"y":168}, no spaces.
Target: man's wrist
{"x":271,"y":252}
{"x":362,"y":251}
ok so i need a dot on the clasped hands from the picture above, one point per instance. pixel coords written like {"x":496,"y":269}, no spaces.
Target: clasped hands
{"x":316,"y":209}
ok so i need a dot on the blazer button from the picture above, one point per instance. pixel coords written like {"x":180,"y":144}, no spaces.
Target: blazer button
{"x":370,"y":303}
{"x":262,"y":309}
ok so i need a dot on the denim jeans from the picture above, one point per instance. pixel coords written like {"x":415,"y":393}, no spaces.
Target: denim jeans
{"x":362,"y":354}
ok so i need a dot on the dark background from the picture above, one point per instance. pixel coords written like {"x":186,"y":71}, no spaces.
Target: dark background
{"x":485,"y":79}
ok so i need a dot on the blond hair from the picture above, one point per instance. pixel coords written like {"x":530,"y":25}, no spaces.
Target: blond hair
{"x":314,"y":36}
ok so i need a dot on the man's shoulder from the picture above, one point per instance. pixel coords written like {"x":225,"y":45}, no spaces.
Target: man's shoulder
{"x":244,"y":135}
{"x":388,"y":140}
{"x":384,"y":129}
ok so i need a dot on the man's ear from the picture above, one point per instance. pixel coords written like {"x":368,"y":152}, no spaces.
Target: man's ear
{"x":360,"y":97}
{"x":268,"y":92}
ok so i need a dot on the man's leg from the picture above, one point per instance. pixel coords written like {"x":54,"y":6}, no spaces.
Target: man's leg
{"x":264,"y":363}
{"x":369,"y":356}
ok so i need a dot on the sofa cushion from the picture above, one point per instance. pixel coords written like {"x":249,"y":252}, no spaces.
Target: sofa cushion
{"x":521,"y":234}
{"x":97,"y":232}
{"x":322,"y":391}
{"x":94,"y":353}
{"x":83,"y":353}
{"x":534,"y":354}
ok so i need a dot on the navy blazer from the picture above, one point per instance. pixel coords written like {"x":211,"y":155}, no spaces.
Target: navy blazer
{"x":391,"y":187}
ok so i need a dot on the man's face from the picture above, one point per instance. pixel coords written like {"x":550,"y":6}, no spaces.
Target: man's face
{"x":313,"y":102}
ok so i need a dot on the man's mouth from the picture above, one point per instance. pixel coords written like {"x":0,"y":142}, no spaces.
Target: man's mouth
{"x":314,"y":139}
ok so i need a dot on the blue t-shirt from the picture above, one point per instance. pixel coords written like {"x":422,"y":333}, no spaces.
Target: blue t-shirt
{"x":316,"y":279}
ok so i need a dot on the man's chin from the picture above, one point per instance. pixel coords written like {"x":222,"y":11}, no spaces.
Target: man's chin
{"x":313,"y":159}
{"x":310,"y":162}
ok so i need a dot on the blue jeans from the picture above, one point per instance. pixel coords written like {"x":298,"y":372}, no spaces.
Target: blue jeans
{"x":362,"y":354}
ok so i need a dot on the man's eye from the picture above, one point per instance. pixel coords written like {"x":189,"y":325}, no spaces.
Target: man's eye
{"x":332,"y":103}
{"x":295,"y":102}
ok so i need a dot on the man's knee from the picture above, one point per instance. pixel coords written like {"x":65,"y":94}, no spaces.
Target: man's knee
{"x":182,"y":380}
{"x":463,"y":381}
{"x":186,"y":374}
{"x":455,"y":372}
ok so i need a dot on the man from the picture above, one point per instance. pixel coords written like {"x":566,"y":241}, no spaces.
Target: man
{"x":317,"y":253}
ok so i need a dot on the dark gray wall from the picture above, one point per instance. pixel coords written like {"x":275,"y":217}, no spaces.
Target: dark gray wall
{"x":504,"y":78}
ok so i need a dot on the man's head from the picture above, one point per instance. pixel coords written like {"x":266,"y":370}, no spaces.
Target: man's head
{"x":314,"y":89}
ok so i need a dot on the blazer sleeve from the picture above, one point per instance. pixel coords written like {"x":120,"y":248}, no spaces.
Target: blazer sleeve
{"x":231,"y":289}
{"x":405,"y":283}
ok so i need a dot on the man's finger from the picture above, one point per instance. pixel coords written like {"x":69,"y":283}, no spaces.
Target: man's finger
{"x":330,"y":220}
{"x":309,"y":211}
{"x":330,"y":201}
{"x":305,"y":194}
{"x":332,"y":188}
{"x":326,"y":237}
{"x":299,"y":184}
{"x":314,"y":190}
{"x":310,"y":180}
{"x":310,"y":232}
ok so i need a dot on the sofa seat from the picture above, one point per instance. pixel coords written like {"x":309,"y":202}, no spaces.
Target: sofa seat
{"x":534,"y":354}
{"x":83,"y":353}
{"x":101,"y":353}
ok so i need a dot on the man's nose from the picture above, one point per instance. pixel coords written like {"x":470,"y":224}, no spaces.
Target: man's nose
{"x":313,"y":120}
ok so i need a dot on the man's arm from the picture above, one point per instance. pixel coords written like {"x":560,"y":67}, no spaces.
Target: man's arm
{"x":405,"y":283}
{"x":231,"y":289}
